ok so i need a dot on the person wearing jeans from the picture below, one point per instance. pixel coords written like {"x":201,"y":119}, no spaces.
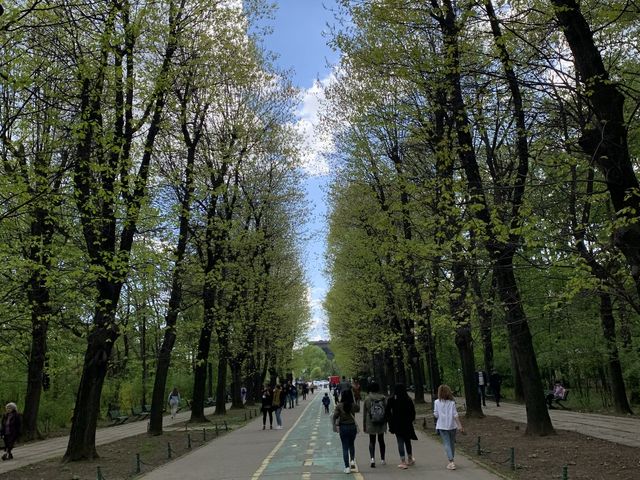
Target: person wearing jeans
{"x":448,"y":422}
{"x":344,"y":418}
{"x":401,"y":414}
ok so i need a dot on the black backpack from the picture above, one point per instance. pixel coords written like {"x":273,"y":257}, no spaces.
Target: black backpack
{"x":377,"y":411}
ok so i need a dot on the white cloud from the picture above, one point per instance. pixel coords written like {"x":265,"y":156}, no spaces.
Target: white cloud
{"x":318,"y":327}
{"x":316,"y":142}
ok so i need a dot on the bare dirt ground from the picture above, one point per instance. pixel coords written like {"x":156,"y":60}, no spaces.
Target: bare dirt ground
{"x":538,"y":458}
{"x":118,"y":459}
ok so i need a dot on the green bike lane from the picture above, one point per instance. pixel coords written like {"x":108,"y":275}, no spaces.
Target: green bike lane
{"x":308,"y":449}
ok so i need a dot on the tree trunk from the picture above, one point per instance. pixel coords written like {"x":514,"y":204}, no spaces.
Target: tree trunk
{"x":200,"y":370}
{"x":538,"y":420}
{"x":464,"y":342}
{"x":221,"y":389}
{"x":236,"y":383}
{"x":82,"y":437}
{"x":606,"y":142}
{"x":616,"y":378}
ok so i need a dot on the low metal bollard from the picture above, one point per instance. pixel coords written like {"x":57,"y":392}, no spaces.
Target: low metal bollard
{"x":226,"y":427}
{"x":204,"y":434}
{"x":99,"y":474}
{"x":168,"y":450}
{"x":189,"y":441}
{"x":138,"y":463}
{"x":565,"y":472}
{"x":216,"y":429}
{"x":478,"y":448}
{"x":513,"y":458}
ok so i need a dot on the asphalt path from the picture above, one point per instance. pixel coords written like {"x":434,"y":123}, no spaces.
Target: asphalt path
{"x":307,"y":448}
{"x":622,"y":430}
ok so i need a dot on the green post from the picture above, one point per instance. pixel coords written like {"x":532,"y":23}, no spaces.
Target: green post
{"x":216,"y":424}
{"x":226,"y":427}
{"x":478,"y":448}
{"x":565,"y":472}
{"x":204,"y":434}
{"x":98,"y":474}
{"x":245,"y":416}
{"x":513,"y":458}
{"x":168,"y":450}
{"x":189,"y":441}
{"x":137,"y":463}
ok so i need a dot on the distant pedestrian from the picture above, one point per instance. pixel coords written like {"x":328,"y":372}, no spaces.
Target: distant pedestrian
{"x":495,"y":382}
{"x":291,"y":392}
{"x":10,"y":429}
{"x":277,"y":404}
{"x":374,"y":421}
{"x":174,"y":401}
{"x":482,"y":379}
{"x":401,"y":414}
{"x":326,"y":401}
{"x":267,"y":407}
{"x":448,"y":422}
{"x":243,"y":394}
{"x":355,"y":387}
{"x":344,"y":418}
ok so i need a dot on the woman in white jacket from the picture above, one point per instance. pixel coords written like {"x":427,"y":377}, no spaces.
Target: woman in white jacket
{"x":448,"y":422}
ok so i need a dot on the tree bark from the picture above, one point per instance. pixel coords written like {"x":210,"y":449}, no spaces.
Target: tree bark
{"x":618,"y":390}
{"x":538,"y":420}
{"x":607,"y":141}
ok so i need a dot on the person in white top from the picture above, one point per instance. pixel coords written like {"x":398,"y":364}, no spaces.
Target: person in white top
{"x":448,"y":422}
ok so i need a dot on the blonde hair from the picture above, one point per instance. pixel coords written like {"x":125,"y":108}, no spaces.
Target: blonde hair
{"x":444,"y":392}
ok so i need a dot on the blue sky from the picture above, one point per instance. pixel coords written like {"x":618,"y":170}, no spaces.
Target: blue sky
{"x":299,"y":42}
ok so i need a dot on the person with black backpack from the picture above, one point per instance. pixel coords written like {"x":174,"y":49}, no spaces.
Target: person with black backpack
{"x":374,"y":421}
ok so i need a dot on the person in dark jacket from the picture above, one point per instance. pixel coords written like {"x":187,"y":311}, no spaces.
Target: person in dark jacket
{"x":267,"y":407}
{"x":495,"y":381}
{"x":344,"y":418}
{"x":10,"y":429}
{"x":401,"y":414}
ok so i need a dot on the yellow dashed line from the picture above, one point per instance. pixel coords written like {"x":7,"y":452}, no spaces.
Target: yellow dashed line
{"x":268,"y":458}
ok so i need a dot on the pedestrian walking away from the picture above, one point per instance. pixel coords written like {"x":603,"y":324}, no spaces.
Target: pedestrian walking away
{"x":345,"y":421}
{"x":326,"y":401}
{"x":401,"y":413}
{"x":10,"y":429}
{"x":374,"y":421}
{"x":447,"y":422}
{"x":482,"y":379}
{"x":174,"y":401}
{"x":267,"y":407}
{"x":495,"y":382}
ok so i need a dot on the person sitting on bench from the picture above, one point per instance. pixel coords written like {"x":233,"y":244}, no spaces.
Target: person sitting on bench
{"x":555,"y":394}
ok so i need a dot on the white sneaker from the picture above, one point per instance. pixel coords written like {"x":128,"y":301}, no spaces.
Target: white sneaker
{"x":347,"y":470}
{"x":353,"y":465}
{"x":382,"y":462}
{"x":451,"y":466}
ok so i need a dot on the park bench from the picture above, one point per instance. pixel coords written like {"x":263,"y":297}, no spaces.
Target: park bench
{"x":139,"y":412}
{"x":117,"y":417}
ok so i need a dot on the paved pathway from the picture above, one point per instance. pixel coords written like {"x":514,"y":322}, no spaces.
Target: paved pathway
{"x":307,"y":449}
{"x":623,"y":430}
